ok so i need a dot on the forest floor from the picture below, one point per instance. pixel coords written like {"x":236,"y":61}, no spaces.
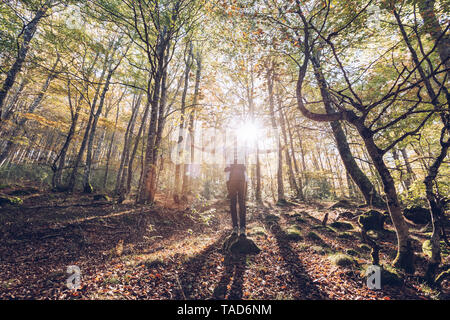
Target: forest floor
{"x":175,"y":252}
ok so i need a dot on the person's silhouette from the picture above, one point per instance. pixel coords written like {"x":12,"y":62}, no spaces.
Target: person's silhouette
{"x":237,"y":190}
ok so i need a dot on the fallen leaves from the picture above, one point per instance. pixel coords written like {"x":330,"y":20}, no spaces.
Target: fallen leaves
{"x":161,"y":263}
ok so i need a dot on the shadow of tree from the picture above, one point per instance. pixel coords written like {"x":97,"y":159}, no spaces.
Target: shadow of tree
{"x":304,"y":284}
{"x":194,"y":267}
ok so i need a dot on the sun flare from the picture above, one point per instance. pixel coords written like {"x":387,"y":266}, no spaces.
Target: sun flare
{"x":249,"y":131}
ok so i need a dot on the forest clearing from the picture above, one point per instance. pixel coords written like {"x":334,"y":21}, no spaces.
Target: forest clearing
{"x":224,"y":150}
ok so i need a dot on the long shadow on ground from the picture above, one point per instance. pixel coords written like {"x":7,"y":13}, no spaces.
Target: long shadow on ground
{"x":232,"y":278}
{"x":193,"y":268}
{"x":305,"y":286}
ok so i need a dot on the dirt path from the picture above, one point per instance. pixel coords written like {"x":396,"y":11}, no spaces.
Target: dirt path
{"x":129,"y":252}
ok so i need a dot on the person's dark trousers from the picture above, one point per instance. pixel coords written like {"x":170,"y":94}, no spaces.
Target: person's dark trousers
{"x":237,"y":190}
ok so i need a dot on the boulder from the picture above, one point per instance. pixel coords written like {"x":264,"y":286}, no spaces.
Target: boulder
{"x":101,"y":197}
{"x":372,"y":220}
{"x":293,"y":234}
{"x":417,"y":214}
{"x":243,"y":245}
{"x":342,"y":225}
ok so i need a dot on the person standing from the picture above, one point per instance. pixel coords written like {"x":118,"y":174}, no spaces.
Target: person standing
{"x":237,"y":188}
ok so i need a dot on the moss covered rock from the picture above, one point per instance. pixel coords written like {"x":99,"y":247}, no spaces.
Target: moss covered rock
{"x":417,"y":214}
{"x":426,"y":248}
{"x":372,"y":220}
{"x":343,"y":260}
{"x":341,"y":225}
{"x":13,"y":201}
{"x":271,"y":218}
{"x":390,"y":277}
{"x":352,"y":252}
{"x":257,"y":231}
{"x":243,"y":245}
{"x":101,"y":197}
{"x":313,"y":236}
{"x":293,"y":234}
{"x":346,"y":235}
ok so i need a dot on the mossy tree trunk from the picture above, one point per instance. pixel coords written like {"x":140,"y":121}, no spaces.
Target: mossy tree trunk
{"x":365,"y":186}
{"x":437,"y":210}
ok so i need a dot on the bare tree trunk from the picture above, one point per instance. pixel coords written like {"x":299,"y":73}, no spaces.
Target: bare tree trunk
{"x":36,"y":102}
{"x":410,"y":173}
{"x":135,"y":147}
{"x":108,"y":157}
{"x":358,"y":176}
{"x":292,"y":180}
{"x":148,"y":190}
{"x":123,"y":170}
{"x":270,"y":87}
{"x":298,"y":173}
{"x":73,"y":175}
{"x":187,"y":183}
{"x":179,"y":167}
{"x":433,"y":27}
{"x":87,"y":188}
{"x":405,"y":253}
{"x":437,"y":208}
{"x":28,"y":32}
{"x":399,"y":169}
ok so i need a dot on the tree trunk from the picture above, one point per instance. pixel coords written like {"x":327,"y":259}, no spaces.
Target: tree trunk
{"x":148,"y":190}
{"x":28,"y":32}
{"x":136,"y":144}
{"x":298,"y":173}
{"x":36,"y":102}
{"x":73,"y":175}
{"x":292,"y":180}
{"x":108,"y":156}
{"x":180,"y":165}
{"x":123,"y":170}
{"x":87,"y":188}
{"x":405,"y":253}
{"x":432,"y":26}
{"x":280,"y":185}
{"x":187,"y":181}
{"x":410,"y":173}
{"x":437,"y":209}
{"x":365,"y":186}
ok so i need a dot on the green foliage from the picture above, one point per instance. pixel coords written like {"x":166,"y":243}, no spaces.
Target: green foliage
{"x":26,"y":172}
